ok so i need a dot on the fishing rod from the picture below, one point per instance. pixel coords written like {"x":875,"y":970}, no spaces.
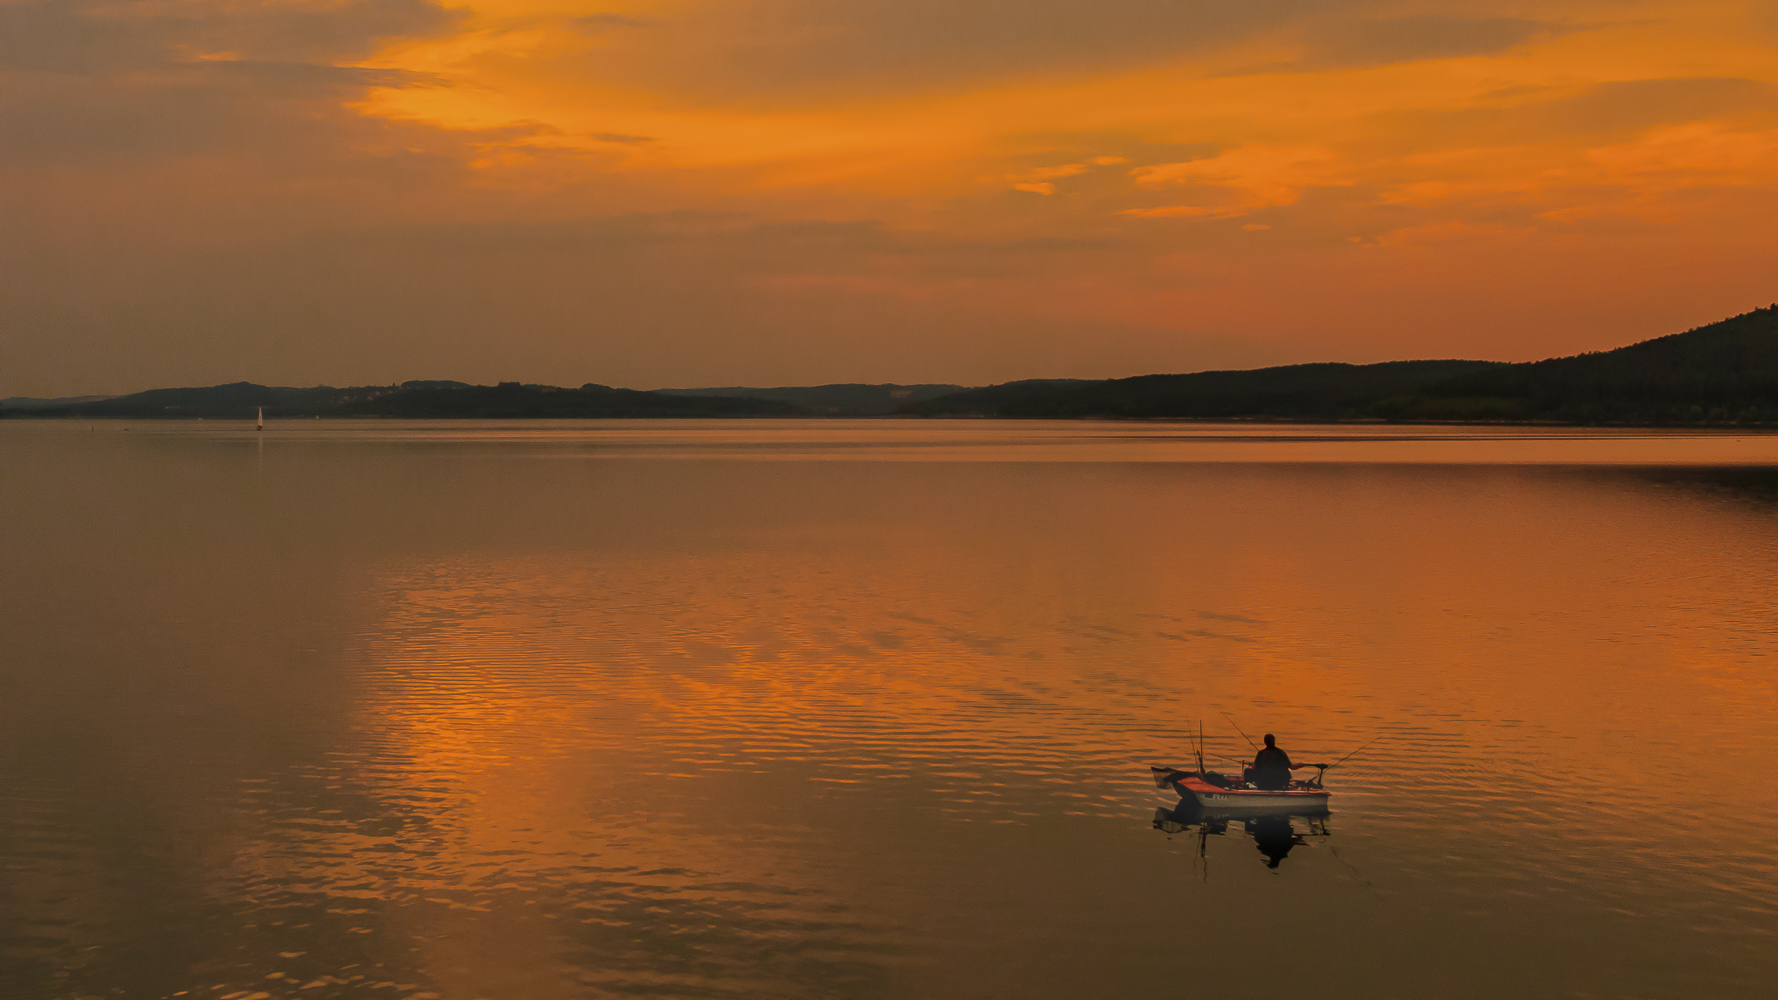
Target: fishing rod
{"x":1237,"y":726}
{"x":1349,"y":756}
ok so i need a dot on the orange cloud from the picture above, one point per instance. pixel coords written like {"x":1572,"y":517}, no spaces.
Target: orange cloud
{"x":1038,"y":181}
{"x":1249,"y":178}
{"x":1446,"y":232}
{"x":1185,"y":212}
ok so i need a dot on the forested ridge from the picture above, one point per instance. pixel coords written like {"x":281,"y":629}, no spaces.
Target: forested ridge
{"x":1726,"y":372}
{"x":420,"y":399}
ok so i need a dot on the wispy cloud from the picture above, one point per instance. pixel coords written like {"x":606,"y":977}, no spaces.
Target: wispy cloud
{"x":1246,"y":178}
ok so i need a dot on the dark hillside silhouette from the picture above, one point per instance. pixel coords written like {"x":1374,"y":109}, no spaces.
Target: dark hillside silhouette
{"x":419,"y":399}
{"x":1721,"y":372}
{"x":1724,"y":372}
{"x":40,"y":403}
{"x":1316,"y":391}
{"x":512,"y":400}
{"x":842,"y":399}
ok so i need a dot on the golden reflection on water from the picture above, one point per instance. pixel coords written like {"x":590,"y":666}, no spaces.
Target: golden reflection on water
{"x":518,"y":723}
{"x":997,"y":672}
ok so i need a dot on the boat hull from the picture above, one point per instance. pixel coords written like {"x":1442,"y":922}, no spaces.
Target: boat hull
{"x":1248,"y":801}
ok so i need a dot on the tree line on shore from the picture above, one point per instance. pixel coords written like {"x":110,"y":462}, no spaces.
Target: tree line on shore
{"x":1724,"y":373}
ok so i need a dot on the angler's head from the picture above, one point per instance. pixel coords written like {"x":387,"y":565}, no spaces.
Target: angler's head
{"x":1271,"y":740}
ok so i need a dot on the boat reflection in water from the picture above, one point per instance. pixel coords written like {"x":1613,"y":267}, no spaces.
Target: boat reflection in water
{"x":1274,"y":834}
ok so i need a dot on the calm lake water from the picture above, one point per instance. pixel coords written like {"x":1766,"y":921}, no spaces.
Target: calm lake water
{"x":527,"y":711}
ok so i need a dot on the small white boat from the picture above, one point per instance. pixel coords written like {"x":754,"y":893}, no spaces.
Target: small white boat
{"x":259,"y":422}
{"x":1234,"y":798}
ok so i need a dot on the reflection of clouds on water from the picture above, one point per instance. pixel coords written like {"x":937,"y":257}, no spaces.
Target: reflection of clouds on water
{"x":561,"y":812}
{"x":543,"y":864}
{"x":742,"y":683}
{"x":494,"y":726}
{"x":1203,"y":634}
{"x":1213,"y":616}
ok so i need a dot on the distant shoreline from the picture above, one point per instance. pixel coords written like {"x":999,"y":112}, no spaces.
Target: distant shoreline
{"x":1721,"y":375}
{"x":1761,"y":427}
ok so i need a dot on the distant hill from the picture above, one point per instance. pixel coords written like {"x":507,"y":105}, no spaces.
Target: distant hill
{"x":418,"y":399}
{"x":1723,"y":372}
{"x":1726,"y":372}
{"x":36,"y":403}
{"x":1319,"y":391}
{"x":512,"y":400}
{"x":842,"y":399}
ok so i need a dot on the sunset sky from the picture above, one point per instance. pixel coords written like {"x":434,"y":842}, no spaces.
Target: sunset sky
{"x":772,"y":192}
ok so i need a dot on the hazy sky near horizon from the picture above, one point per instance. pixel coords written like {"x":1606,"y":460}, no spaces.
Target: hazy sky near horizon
{"x":773,"y":192}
